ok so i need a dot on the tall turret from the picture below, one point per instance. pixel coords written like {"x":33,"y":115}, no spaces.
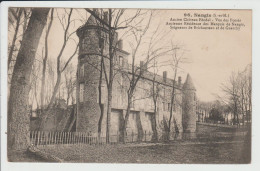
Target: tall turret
{"x":91,"y":41}
{"x":189,"y":106}
{"x":93,"y":44}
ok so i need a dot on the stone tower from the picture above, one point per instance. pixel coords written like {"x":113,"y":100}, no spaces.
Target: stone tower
{"x":90,"y":36}
{"x":189,"y":106}
{"x":93,"y":43}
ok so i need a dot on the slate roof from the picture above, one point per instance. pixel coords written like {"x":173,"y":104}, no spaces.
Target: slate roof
{"x":188,"y":85}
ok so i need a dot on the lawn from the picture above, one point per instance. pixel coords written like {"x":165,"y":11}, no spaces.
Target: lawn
{"x":177,"y":152}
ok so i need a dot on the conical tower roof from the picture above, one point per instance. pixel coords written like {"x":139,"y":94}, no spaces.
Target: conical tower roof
{"x":188,"y":85}
{"x":92,"y":21}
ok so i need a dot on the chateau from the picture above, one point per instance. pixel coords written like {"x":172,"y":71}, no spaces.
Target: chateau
{"x":142,"y":116}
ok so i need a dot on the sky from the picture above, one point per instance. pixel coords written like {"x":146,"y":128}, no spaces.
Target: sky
{"x":212,"y":54}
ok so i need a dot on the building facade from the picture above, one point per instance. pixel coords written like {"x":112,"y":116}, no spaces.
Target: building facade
{"x":93,"y":38}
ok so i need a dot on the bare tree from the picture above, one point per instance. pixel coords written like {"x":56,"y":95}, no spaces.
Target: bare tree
{"x":155,"y":91}
{"x":113,"y":24}
{"x":45,"y":60}
{"x":176,"y":61}
{"x":153,"y":52}
{"x":238,"y":94}
{"x":60,"y":69}
{"x":70,"y":83}
{"x":17,"y":17}
{"x":18,"y":117}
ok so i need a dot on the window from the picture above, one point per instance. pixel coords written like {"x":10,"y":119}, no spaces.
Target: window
{"x":164,"y":106}
{"x":82,"y":70}
{"x":81,"y":92}
{"x":83,"y":44}
{"x":120,"y":61}
{"x":174,"y":106}
{"x":152,"y":103}
{"x":169,"y":107}
{"x":132,"y":104}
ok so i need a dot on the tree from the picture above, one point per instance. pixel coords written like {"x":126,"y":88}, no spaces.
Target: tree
{"x":60,"y":69}
{"x":152,"y":53}
{"x":17,"y":24}
{"x":70,"y":83}
{"x":113,"y":24}
{"x":45,"y":60}
{"x":17,"y":17}
{"x":155,"y":91}
{"x":238,"y":94}
{"x":216,"y":115}
{"x":18,"y":109}
{"x":176,"y":61}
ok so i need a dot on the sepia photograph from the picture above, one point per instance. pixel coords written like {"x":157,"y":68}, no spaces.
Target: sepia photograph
{"x":129,"y":85}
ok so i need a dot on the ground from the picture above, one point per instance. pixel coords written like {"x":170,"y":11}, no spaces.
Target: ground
{"x":177,"y":152}
{"x":228,"y":150}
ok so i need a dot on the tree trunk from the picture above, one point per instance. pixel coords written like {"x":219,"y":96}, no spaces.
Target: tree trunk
{"x":109,"y":105}
{"x":100,"y":97}
{"x":171,"y":108}
{"x":154,"y":127}
{"x":18,"y":107}
{"x":44,"y":115}
{"x":126,"y":119}
{"x":45,"y":61}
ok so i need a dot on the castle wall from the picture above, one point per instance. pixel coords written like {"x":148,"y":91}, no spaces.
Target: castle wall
{"x":142,"y":117}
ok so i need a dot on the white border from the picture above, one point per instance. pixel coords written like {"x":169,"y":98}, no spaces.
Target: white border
{"x":254,"y":5}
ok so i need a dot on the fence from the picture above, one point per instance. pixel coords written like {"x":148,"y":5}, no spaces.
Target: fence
{"x":50,"y":138}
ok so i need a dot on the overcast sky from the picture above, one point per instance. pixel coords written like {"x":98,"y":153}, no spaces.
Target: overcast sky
{"x":213,"y":54}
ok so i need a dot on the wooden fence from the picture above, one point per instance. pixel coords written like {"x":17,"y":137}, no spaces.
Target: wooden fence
{"x":50,"y":138}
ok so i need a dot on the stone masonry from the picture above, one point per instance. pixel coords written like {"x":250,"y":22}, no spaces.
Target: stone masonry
{"x":142,"y":117}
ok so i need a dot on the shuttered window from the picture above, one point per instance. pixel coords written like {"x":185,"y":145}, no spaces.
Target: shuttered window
{"x":81,"y":92}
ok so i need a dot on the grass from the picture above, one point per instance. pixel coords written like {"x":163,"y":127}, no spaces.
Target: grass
{"x":178,"y":152}
{"x":224,"y":150}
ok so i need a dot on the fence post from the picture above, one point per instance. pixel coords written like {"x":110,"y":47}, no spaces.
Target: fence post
{"x":117,"y":137}
{"x":55,"y":134}
{"x":44,"y":137}
{"x":145,"y":136}
{"x":62,"y":137}
{"x":40,"y":139}
{"x":48,"y":138}
{"x":57,"y":138}
{"x":37,"y":137}
{"x":77,"y":138}
{"x":66,"y":138}
{"x":132,"y":136}
{"x":31,"y":137}
{"x":80,"y":139}
{"x":85,"y":138}
{"x":69,"y":137}
{"x":52,"y":137}
{"x":73,"y":137}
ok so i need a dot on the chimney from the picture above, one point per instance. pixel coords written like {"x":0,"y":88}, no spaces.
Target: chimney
{"x":106,"y":17}
{"x":120,"y":44}
{"x":95,"y":10}
{"x":141,"y":65}
{"x":164,"y":76}
{"x":179,"y":81}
